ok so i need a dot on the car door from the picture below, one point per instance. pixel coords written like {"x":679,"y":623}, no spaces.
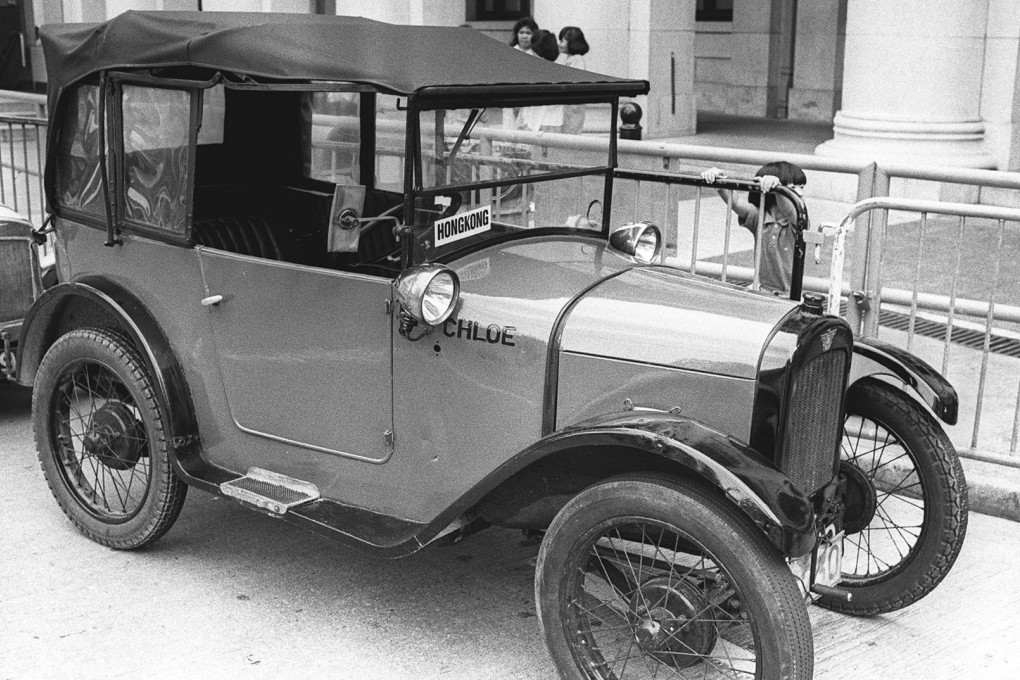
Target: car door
{"x":305,"y":354}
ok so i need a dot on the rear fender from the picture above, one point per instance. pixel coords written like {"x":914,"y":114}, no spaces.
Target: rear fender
{"x":98,"y":302}
{"x":873,"y":357}
{"x":743,"y":475}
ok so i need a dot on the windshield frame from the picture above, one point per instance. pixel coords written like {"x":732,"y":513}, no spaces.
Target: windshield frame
{"x":414,"y":167}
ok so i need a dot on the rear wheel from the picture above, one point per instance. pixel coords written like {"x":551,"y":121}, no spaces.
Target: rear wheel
{"x":653,"y":578}
{"x":906,"y":501}
{"x":101,"y":440}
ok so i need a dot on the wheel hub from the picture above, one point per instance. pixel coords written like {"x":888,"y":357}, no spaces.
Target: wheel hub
{"x":672,"y":625}
{"x":115,"y":436}
{"x":860,"y":499}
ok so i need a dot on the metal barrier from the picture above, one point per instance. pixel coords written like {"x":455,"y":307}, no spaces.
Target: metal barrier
{"x":21,"y":169}
{"x":949,"y":305}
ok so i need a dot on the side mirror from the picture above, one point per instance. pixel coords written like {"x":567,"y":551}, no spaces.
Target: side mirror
{"x":640,"y":240}
{"x":344,"y":218}
{"x":427,"y":295}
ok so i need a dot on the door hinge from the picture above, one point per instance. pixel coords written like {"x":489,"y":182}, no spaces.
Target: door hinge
{"x":185,"y":440}
{"x":389,"y":306}
{"x":388,"y":438}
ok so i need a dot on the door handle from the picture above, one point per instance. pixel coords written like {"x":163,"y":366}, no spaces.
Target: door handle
{"x":212,"y":300}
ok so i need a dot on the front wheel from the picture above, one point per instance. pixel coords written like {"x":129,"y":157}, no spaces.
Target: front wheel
{"x":906,"y":501}
{"x":647,"y":577}
{"x":101,"y":440}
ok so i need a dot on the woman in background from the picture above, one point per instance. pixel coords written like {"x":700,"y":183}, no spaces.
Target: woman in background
{"x":549,"y":117}
{"x":524,"y":29}
{"x":573,"y":47}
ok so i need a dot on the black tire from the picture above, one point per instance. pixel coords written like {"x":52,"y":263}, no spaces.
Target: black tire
{"x":906,"y":501}
{"x":101,"y":440}
{"x":710,"y":597}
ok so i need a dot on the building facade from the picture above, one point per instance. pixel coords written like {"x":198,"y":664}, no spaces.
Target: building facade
{"x":917,"y":80}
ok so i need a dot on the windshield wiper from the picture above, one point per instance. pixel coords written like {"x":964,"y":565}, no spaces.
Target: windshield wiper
{"x":465,"y":133}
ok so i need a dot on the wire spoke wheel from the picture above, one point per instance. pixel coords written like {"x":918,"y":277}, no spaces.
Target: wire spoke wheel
{"x":680,"y":614}
{"x":882,"y":546}
{"x":101,"y":440}
{"x":906,"y":501}
{"x":102,"y":447}
{"x":648,"y":579}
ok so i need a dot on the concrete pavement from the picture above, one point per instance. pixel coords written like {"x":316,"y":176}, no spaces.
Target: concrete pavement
{"x":229,"y":593}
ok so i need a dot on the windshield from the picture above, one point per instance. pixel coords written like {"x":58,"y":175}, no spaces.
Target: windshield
{"x":509,"y":170}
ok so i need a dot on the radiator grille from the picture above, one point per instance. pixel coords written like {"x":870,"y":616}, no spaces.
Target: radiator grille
{"x":17,"y":278}
{"x":814,"y":422}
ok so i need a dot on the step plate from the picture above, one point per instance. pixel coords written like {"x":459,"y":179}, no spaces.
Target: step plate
{"x":270,"y":491}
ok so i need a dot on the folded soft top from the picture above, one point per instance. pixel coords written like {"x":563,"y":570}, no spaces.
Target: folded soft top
{"x":399,"y":59}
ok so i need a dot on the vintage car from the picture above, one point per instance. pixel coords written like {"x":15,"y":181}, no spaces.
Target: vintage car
{"x":22,"y":279}
{"x":361,"y":289}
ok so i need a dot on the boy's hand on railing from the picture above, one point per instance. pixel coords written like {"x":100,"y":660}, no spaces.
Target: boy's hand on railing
{"x":712,"y":174}
{"x":768,"y":182}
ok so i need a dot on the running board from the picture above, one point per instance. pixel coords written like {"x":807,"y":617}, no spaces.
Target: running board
{"x":270,"y":491}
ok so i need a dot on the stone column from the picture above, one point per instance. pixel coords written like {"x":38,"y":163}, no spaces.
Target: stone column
{"x":912,"y":83}
{"x":648,"y":39}
{"x":1000,"y":99}
{"x":818,"y":60}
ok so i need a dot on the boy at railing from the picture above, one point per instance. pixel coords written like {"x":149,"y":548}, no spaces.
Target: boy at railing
{"x":779,"y":236}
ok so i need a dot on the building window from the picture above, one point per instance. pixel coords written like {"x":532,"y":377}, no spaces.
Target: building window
{"x":714,"y":10}
{"x":499,"y":10}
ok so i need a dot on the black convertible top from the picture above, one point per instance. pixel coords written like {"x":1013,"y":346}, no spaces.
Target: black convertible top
{"x":404,"y":60}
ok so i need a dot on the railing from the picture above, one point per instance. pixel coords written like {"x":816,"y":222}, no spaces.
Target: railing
{"x":22,"y":142}
{"x":36,"y":101}
{"x":1007,"y":355}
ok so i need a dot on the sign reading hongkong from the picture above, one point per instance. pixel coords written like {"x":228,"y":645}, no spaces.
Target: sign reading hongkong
{"x":463,"y":225}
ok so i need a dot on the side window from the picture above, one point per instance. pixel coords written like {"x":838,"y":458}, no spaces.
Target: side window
{"x":79,"y":180}
{"x":333,"y":151}
{"x":335,"y":144}
{"x":156,"y":170}
{"x":391,"y":126}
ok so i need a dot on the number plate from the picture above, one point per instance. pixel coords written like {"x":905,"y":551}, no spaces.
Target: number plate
{"x":829,"y":559}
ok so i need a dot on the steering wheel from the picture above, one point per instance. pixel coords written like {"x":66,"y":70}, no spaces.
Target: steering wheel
{"x":456,"y":199}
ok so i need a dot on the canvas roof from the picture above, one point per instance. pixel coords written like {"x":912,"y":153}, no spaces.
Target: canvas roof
{"x":401,"y":59}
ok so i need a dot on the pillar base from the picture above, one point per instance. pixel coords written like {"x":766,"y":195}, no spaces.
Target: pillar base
{"x":957,"y":144}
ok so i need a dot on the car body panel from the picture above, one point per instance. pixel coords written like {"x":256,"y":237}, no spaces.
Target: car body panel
{"x":591,"y":386}
{"x":304,"y":354}
{"x":488,"y":363}
{"x":637,"y":316}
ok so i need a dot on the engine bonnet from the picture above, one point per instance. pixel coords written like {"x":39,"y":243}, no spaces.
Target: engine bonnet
{"x":661,"y":316}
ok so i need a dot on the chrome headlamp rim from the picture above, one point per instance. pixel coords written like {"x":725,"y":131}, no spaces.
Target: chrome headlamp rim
{"x":415,"y":284}
{"x":632,"y":239}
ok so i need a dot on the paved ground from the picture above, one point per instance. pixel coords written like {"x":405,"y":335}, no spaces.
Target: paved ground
{"x":229,"y":593}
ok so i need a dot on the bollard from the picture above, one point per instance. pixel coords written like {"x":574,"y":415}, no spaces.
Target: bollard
{"x":630,"y":115}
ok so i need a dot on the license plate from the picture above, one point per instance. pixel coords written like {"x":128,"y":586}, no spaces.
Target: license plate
{"x":829,"y":559}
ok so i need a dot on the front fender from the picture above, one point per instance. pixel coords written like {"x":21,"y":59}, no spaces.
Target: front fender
{"x":874,"y":357}
{"x":649,"y":441}
{"x":746,"y":477}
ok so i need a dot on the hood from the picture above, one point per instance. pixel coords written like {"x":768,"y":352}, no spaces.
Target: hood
{"x":662,"y":316}
{"x":600,"y":303}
